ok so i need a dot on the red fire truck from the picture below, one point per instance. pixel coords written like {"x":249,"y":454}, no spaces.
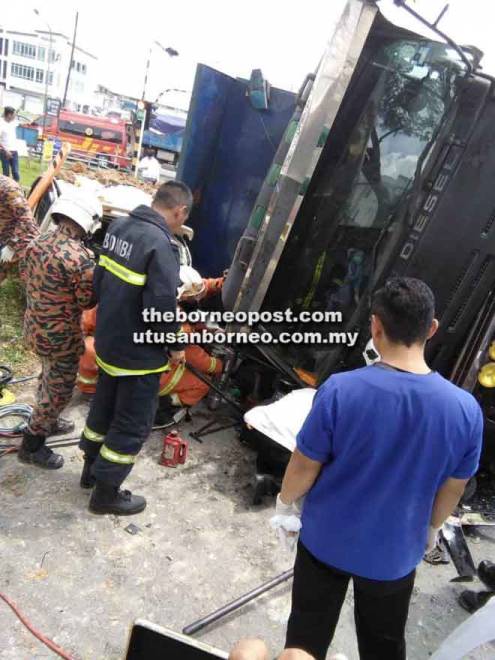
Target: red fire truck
{"x":97,"y":140}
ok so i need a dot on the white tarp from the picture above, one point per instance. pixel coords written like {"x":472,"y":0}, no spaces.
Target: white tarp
{"x":282,"y":420}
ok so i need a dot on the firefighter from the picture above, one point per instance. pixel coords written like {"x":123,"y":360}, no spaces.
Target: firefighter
{"x":178,"y":386}
{"x":138,"y":270}
{"x":17,"y":226}
{"x":59,"y":274}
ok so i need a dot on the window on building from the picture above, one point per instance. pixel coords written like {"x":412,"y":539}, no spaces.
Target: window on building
{"x":41,"y":53}
{"x":6,"y":49}
{"x":50,"y":78}
{"x":83,"y":69}
{"x":1,"y":45}
{"x":24,"y":50}
{"x":39,"y":75}
{"x":22,"y":71}
{"x":54,"y":56}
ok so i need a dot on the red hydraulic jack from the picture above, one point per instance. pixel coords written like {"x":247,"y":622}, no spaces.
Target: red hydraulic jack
{"x":174,"y":450}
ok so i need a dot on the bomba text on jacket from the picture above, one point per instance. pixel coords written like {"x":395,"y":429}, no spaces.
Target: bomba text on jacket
{"x":117,"y":245}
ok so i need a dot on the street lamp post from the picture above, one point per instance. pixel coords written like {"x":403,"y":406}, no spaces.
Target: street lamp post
{"x":171,"y":52}
{"x":47,"y":73}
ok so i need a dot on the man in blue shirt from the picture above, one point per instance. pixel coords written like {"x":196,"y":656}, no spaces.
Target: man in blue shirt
{"x":383,"y":459}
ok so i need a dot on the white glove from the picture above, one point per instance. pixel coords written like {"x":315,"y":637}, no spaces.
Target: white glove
{"x":432,"y":538}
{"x":287,"y":522}
{"x":6,"y":254}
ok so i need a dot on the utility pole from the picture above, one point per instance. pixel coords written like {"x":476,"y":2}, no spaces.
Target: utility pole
{"x":171,"y":52}
{"x":47,"y":76}
{"x":71,"y":61}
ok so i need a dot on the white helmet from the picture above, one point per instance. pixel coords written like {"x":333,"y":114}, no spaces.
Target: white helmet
{"x":192,"y":282}
{"x":83,"y":209}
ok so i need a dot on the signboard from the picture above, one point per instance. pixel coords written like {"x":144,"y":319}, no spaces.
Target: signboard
{"x":53,"y":107}
{"x":47,"y":151}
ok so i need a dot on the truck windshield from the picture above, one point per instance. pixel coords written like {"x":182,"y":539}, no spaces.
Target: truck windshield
{"x":404,"y":91}
{"x":87,"y":130}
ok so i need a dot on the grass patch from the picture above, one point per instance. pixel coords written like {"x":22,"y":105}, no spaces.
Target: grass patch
{"x":29,"y":169}
{"x":13,"y":352}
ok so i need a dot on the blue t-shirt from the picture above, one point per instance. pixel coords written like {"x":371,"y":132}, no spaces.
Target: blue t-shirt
{"x":387,"y":440}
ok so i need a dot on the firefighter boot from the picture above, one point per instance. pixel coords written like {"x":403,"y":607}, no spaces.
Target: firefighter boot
{"x":33,"y":450}
{"x":87,"y":480}
{"x":106,"y":498}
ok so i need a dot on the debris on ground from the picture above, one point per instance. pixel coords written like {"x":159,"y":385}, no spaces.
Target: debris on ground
{"x":106,"y":177}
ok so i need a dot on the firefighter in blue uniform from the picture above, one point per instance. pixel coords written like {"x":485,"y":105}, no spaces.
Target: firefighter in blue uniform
{"x":138,"y":269}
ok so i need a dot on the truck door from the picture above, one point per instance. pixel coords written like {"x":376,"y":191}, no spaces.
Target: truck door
{"x":398,"y":100}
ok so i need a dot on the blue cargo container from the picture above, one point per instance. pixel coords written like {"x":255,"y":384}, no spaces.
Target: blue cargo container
{"x":227,"y":150}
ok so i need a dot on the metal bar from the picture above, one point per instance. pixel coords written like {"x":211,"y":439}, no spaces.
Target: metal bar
{"x":67,"y":80}
{"x":441,"y":15}
{"x":216,"y":389}
{"x":196,"y":435}
{"x":200,"y":433}
{"x":458,"y":549}
{"x":222,"y":427}
{"x":22,"y":380}
{"x":237,"y":603}
{"x":433,"y":26}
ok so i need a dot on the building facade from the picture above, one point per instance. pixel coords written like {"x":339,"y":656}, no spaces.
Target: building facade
{"x":36,"y":63}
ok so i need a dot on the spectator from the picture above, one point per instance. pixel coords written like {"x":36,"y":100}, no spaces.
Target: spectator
{"x":149,"y":167}
{"x":8,"y":144}
{"x":383,"y":459}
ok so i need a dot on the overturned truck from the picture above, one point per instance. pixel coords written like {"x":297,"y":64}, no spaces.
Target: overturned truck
{"x":390,"y":172}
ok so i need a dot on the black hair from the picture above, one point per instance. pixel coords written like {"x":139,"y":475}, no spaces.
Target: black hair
{"x":8,"y":110}
{"x":172,"y":194}
{"x":406,"y":308}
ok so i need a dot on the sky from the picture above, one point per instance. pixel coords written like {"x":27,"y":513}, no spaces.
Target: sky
{"x":284,"y":38}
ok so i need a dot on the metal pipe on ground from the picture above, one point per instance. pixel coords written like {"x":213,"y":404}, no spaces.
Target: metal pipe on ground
{"x":208,"y":381}
{"x":237,"y":603}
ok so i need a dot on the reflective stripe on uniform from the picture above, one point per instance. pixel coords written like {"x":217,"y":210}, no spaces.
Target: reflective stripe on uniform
{"x":116,"y":457}
{"x":174,"y":380}
{"x":87,"y":381}
{"x":213,"y":365}
{"x":123,"y":273}
{"x":112,"y":370}
{"x":89,"y":434}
